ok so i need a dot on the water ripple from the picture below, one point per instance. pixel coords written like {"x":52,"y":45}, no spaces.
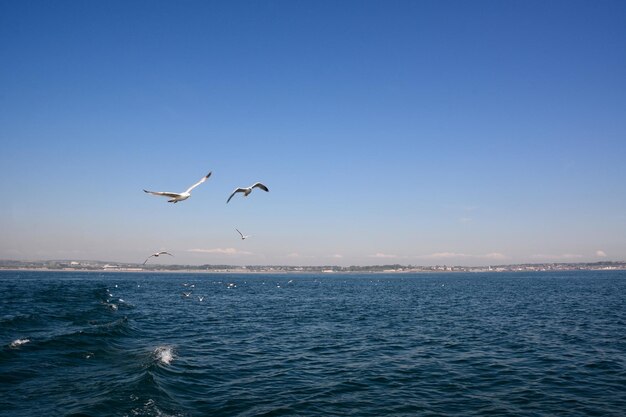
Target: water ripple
{"x":260,"y":345}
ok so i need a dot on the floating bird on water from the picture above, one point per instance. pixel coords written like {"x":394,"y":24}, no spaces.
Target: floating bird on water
{"x":243,"y":237}
{"x":176,"y":197}
{"x":247,"y":190}
{"x":156,"y":255}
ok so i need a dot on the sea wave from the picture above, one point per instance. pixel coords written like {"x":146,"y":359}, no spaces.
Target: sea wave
{"x":164,"y":354}
{"x":18,"y":342}
{"x":546,"y":344}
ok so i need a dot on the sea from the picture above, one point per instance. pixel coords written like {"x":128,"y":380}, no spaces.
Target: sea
{"x":441,"y":344}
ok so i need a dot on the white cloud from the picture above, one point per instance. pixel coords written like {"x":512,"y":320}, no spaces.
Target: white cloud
{"x":293,"y":255}
{"x":450,"y":255}
{"x":221,"y":251}
{"x":556,"y":257}
{"x":383,"y":255}
{"x":337,"y":256}
{"x":494,"y":255}
{"x":601,"y":254}
{"x":445,"y":255}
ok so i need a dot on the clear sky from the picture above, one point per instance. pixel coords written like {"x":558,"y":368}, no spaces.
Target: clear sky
{"x":412,"y":132}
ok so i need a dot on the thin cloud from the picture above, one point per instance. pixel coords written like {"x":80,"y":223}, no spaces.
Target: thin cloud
{"x":495,"y":255}
{"x":221,"y":251}
{"x":601,"y":254}
{"x":556,"y":257}
{"x":452,"y":255}
{"x":383,"y":255}
{"x":337,"y":256}
{"x":297,"y":255}
{"x":445,"y":255}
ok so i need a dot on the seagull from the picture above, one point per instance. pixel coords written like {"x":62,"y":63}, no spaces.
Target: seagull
{"x":200,"y":298}
{"x":156,"y":255}
{"x":186,"y":294}
{"x":176,"y":197}
{"x":243,"y":237}
{"x":248,"y":190}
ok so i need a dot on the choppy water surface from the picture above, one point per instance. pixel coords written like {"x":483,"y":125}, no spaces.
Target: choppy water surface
{"x":327,"y":345}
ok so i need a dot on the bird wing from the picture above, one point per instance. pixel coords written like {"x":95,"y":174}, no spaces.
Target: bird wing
{"x":144,"y":262}
{"x":165,"y":253}
{"x":239,"y":233}
{"x":198,"y":183}
{"x":165,"y":194}
{"x":238,"y":190}
{"x":261,"y":186}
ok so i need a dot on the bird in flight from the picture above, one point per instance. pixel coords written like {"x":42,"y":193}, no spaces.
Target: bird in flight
{"x":176,"y":197}
{"x":243,"y":237}
{"x":247,"y":190}
{"x":156,"y":255}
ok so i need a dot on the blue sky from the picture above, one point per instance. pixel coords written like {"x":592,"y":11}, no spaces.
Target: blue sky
{"x":412,"y":132}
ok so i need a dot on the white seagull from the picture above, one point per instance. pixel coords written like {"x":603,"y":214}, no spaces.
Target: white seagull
{"x":156,"y":255}
{"x":243,"y":237}
{"x":176,"y":197}
{"x":247,"y":190}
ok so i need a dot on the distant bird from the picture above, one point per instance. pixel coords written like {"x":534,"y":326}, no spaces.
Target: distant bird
{"x":176,"y":197}
{"x":200,"y":298}
{"x":247,"y":190}
{"x":156,"y":255}
{"x":243,"y":237}
{"x":186,"y":294}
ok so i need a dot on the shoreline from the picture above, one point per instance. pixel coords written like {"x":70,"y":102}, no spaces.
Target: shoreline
{"x":476,"y":270}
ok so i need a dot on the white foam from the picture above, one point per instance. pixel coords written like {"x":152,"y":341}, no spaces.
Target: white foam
{"x":164,"y":354}
{"x":19,"y":342}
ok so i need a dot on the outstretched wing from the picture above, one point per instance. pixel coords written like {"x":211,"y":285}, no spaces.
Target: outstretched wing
{"x":198,"y":183}
{"x":239,"y":233}
{"x":261,"y":186}
{"x":238,"y":190}
{"x":165,"y":253}
{"x":144,"y":262}
{"x":171,"y":195}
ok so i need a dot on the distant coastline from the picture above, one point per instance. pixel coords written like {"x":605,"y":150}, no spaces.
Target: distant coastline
{"x":101,"y":266}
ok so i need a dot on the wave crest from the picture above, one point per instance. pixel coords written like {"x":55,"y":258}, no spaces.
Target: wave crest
{"x":164,"y":354}
{"x":18,"y":342}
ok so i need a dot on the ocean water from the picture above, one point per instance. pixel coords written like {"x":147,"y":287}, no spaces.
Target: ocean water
{"x":116,"y":344}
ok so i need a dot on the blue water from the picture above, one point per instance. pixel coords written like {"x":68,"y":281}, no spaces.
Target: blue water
{"x":115,"y":344}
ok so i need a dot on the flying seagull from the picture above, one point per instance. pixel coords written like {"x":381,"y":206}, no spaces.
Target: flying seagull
{"x":248,"y":190}
{"x":243,"y":237}
{"x":156,"y":255}
{"x":176,"y":197}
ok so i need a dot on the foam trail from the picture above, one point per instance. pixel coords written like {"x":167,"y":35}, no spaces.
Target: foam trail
{"x":164,"y":354}
{"x":18,"y":342}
